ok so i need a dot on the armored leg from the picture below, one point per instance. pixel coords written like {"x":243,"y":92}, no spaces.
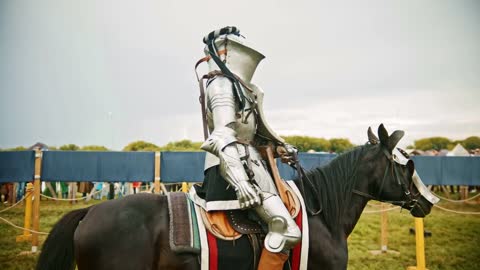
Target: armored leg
{"x":283,"y":232}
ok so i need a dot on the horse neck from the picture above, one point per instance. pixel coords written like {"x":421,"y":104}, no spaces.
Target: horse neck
{"x":335,"y":183}
{"x":353,"y":213}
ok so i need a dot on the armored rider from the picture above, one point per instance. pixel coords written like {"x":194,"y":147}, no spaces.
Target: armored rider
{"x":236,"y":175}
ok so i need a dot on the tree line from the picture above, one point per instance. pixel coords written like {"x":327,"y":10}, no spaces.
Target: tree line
{"x":439,"y":143}
{"x":303,"y":143}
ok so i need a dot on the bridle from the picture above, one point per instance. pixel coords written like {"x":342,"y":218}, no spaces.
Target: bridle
{"x":392,"y":167}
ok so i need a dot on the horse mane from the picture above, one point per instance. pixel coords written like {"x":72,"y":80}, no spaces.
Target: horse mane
{"x":334,"y":183}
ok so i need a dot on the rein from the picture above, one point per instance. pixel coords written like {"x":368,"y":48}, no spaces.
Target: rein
{"x":301,"y":176}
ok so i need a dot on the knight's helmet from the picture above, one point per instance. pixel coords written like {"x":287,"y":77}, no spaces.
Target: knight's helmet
{"x":229,"y":47}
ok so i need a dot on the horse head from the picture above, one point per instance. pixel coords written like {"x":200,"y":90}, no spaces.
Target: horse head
{"x":392,"y":175}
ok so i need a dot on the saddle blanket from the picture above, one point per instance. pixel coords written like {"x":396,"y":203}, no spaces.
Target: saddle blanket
{"x":218,"y":254}
{"x":184,"y":234}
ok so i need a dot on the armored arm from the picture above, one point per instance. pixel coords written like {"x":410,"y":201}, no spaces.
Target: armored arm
{"x":223,"y":142}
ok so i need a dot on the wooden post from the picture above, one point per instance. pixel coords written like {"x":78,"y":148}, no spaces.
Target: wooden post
{"x":420,"y":246}
{"x":384,"y":233}
{"x":13,"y":192}
{"x":27,"y":235}
{"x":157,"y":173}
{"x":36,"y":199}
{"x":383,"y":229}
{"x":463,"y":192}
{"x":184,"y":187}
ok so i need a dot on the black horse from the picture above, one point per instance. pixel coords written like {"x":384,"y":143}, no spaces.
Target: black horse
{"x":133,"y":232}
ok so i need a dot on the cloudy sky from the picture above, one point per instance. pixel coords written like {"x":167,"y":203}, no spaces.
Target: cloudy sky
{"x":111,"y":72}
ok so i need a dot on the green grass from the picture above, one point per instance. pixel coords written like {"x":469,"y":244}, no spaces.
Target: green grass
{"x":454,"y":243}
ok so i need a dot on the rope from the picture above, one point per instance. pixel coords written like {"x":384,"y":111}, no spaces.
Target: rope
{"x":456,"y":201}
{"x":380,"y":211}
{"x":75,"y":199}
{"x":13,"y":205}
{"x":457,"y":212}
{"x":21,"y":228}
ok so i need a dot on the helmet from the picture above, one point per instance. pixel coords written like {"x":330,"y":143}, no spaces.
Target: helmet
{"x":241,"y":59}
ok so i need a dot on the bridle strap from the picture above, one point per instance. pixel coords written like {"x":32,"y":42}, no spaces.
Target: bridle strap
{"x":410,"y":199}
{"x":363,"y":194}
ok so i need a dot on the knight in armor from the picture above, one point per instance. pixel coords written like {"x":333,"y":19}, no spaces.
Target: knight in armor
{"x":236,"y":175}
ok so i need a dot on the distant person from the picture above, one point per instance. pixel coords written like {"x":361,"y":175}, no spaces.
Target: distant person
{"x":136,"y":185}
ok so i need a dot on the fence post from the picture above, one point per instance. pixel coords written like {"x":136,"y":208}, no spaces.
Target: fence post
{"x":383,"y":233}
{"x":157,"y":172}
{"x":184,"y":187}
{"x":27,"y":235}
{"x":383,"y":229}
{"x":420,"y":246}
{"x":36,"y":199}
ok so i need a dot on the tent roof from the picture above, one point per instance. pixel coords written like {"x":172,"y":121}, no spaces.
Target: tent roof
{"x":458,"y":150}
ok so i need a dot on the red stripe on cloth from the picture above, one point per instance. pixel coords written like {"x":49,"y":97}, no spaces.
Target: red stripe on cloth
{"x":297,"y":250}
{"x":213,"y":252}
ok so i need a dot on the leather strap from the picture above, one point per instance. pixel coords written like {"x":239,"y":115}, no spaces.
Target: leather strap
{"x":201,"y":99}
{"x":256,"y":248}
{"x":286,"y":195}
{"x":206,"y":59}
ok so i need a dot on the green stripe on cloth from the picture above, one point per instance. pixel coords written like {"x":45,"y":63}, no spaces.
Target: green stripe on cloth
{"x":196,"y":235}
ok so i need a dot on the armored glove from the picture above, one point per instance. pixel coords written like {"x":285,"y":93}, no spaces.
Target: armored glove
{"x":248,"y":195}
{"x":287,"y":153}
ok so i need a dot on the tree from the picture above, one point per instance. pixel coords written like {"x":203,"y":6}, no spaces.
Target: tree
{"x":305,"y":143}
{"x":471,"y":143}
{"x":18,"y":148}
{"x":340,"y":145}
{"x":141,"y":146}
{"x":94,"y":148}
{"x":69,"y":147}
{"x":183,"y":145}
{"x":433,"y":143}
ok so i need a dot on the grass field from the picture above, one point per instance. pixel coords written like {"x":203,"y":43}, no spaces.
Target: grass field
{"x":454,"y":243}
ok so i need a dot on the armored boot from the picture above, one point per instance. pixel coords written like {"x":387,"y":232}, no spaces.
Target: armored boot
{"x":283,"y":233}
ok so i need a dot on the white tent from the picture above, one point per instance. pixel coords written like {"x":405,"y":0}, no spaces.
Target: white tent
{"x":458,"y":151}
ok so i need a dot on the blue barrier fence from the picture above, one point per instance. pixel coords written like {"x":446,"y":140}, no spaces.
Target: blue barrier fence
{"x":18,"y":166}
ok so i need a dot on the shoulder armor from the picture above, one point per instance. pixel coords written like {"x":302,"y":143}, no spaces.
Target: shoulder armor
{"x":263,"y":129}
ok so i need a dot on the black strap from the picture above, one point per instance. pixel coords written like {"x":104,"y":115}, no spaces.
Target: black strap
{"x":237,"y":90}
{"x":223,"y":31}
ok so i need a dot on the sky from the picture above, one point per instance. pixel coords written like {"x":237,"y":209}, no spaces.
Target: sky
{"x":112,"y":72}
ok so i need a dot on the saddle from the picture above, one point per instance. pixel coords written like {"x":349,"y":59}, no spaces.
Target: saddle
{"x":228,"y":238}
{"x":232,"y":224}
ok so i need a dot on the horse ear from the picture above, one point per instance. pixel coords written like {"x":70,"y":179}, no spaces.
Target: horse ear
{"x":371,"y":137}
{"x":383,"y":134}
{"x":394,"y":139}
